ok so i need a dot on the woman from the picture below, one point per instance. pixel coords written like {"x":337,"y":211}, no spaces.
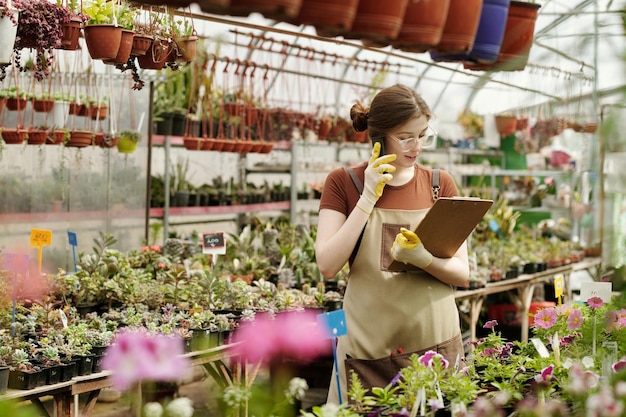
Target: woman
{"x":389,"y":312}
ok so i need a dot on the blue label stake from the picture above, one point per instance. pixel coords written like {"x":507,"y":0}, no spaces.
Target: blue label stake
{"x":335,"y":322}
{"x":71,"y":237}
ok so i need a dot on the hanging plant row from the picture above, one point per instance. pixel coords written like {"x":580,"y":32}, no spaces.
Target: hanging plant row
{"x":117,"y":33}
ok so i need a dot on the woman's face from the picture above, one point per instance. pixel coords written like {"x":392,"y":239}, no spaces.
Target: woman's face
{"x":407,"y":155}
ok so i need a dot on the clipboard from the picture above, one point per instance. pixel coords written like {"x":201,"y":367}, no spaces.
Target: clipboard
{"x":446,"y":225}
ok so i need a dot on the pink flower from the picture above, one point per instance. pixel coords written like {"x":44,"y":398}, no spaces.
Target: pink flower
{"x":490,"y":324}
{"x":604,"y":404}
{"x":575,"y":320}
{"x":595,"y":302}
{"x":545,"y":318}
{"x":292,"y":334}
{"x":135,"y":355}
{"x":427,"y":359}
{"x":581,"y":381}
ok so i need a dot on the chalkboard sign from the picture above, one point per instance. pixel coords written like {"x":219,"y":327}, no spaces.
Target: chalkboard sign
{"x":213,"y":243}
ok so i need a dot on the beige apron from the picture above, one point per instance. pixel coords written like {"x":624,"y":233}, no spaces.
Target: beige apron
{"x":387,"y":311}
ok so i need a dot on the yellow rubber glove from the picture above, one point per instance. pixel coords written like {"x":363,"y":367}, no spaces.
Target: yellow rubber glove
{"x":408,"y":249}
{"x":377,"y":175}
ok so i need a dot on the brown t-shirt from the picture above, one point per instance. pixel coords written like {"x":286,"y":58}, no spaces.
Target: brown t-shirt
{"x":340,"y":193}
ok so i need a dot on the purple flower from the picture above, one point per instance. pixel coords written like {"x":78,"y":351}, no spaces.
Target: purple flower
{"x":490,"y":324}
{"x":136,"y":355}
{"x":595,"y":302}
{"x":619,"y":365}
{"x":293,"y":334}
{"x":545,"y":318}
{"x":545,"y":375}
{"x":428,"y":358}
{"x":575,"y":320}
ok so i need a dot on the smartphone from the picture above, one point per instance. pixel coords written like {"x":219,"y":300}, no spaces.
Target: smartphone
{"x":382,"y":145}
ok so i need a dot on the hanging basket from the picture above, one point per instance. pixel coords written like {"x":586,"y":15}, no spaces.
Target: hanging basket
{"x":422,"y":25}
{"x":329,"y":17}
{"x":126,"y":145}
{"x":43,"y":105}
{"x":214,"y":6}
{"x":7,"y":40}
{"x":460,"y":29}
{"x":506,"y":125}
{"x":14,"y":136}
{"x":376,"y":22}
{"x":79,"y":139}
{"x":16,"y":104}
{"x":187,"y":48}
{"x":71,"y":34}
{"x":156,"y":56}
{"x":141,"y":44}
{"x":271,"y":9}
{"x":37,"y":136}
{"x":126,"y":46}
{"x":103,"y":41}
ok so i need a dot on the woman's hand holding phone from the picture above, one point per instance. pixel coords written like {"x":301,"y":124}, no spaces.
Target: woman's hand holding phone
{"x":377,"y":175}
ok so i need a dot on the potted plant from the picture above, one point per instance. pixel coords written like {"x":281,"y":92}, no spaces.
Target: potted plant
{"x":128,"y":141}
{"x":72,"y":28}
{"x":103,"y":35}
{"x":39,"y":28}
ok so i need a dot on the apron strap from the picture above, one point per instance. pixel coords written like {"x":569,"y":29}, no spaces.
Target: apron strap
{"x":359,"y":186}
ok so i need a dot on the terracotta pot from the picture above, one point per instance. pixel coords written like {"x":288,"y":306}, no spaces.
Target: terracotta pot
{"x":506,"y":125}
{"x":103,"y":41}
{"x":214,"y":6}
{"x":126,"y":46}
{"x":56,"y":137}
{"x":376,"y":22}
{"x":422,"y":25}
{"x":105,"y":140}
{"x":141,"y":44}
{"x":37,"y":136}
{"x":98,"y":112}
{"x":257,"y":146}
{"x":267,"y":147}
{"x":43,"y":105}
{"x":517,"y":40}
{"x":329,"y":17}
{"x":193,"y":143}
{"x":187,"y":48}
{"x":14,"y":136}
{"x":79,"y":139}
{"x":460,"y":28}
{"x":71,"y":33}
{"x":228,"y":145}
{"x":217,"y":144}
{"x":16,"y":104}
{"x":271,"y":9}
{"x":156,"y":56}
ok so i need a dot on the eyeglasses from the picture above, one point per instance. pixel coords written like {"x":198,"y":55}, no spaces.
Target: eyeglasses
{"x":426,"y":140}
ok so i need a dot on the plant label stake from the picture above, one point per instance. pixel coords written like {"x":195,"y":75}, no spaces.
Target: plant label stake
{"x":214,"y":244}
{"x":38,"y":239}
{"x":493,"y":225}
{"x":335,"y":322}
{"x":558,"y":288}
{"x":71,"y":237}
{"x":16,"y":263}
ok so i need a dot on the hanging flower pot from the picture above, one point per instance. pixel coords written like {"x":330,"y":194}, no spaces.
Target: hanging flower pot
{"x":460,"y":28}
{"x":128,"y":141}
{"x":16,"y":103}
{"x":377,"y":22}
{"x":506,"y":125}
{"x":488,"y":36}
{"x":187,"y":48}
{"x":42,"y":105}
{"x":329,"y":17}
{"x":126,"y":46}
{"x":271,"y":9}
{"x":214,"y":6}
{"x":57,"y":136}
{"x":8,"y":28}
{"x":71,"y":33}
{"x":422,"y":25}
{"x":141,"y":44}
{"x":14,"y":136}
{"x":37,"y":136}
{"x":79,"y":139}
{"x":156,"y":56}
{"x":103,"y":40}
{"x":98,"y":111}
{"x":194,"y":143}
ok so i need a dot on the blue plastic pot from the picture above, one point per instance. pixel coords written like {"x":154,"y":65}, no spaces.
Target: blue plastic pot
{"x":488,"y":37}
